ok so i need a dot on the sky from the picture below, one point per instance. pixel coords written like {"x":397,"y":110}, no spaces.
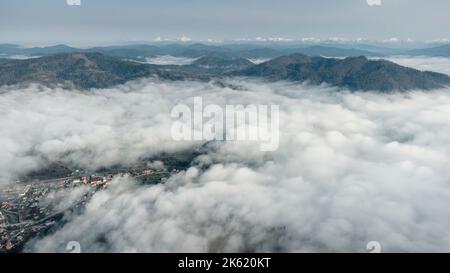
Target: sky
{"x":112,"y":21}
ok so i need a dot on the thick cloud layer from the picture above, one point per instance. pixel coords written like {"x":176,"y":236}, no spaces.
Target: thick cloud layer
{"x":170,"y":60}
{"x":259,"y":60}
{"x":351,"y":168}
{"x":85,"y":129}
{"x":437,"y":64}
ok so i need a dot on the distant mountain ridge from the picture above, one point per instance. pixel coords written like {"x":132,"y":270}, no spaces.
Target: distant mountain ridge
{"x":355,"y":73}
{"x":220,"y":64}
{"x":36,"y":51}
{"x":139,"y":52}
{"x":328,"y":51}
{"x":82,"y":70}
{"x":439,"y":51}
{"x":87,"y":70}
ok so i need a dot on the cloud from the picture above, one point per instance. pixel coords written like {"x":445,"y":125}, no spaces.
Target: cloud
{"x":170,"y":60}
{"x":20,"y":57}
{"x":259,"y":60}
{"x":185,"y":39}
{"x":436,"y":64}
{"x":84,"y":129}
{"x":64,"y":199}
{"x":351,"y":168}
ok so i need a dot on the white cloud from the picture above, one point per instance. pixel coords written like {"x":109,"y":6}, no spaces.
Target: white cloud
{"x":259,"y":60}
{"x":351,"y":168}
{"x":436,"y":64}
{"x":94,"y":129}
{"x":20,"y":57}
{"x":170,"y":60}
{"x":185,"y":38}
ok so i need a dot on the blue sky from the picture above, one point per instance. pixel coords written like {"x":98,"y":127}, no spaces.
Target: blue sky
{"x":110,"y":21}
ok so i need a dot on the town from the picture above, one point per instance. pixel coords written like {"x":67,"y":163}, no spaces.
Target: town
{"x":26,"y":213}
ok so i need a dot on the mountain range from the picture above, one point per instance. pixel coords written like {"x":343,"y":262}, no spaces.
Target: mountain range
{"x":82,"y":70}
{"x":248,"y":51}
{"x":355,"y":73}
{"x":439,"y":51}
{"x":87,"y":70}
